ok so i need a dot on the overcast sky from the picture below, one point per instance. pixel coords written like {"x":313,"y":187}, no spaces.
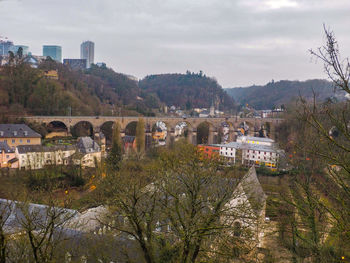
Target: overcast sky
{"x":239,"y":42}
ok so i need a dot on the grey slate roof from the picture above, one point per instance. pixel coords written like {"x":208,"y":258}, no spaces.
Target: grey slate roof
{"x":253,"y":189}
{"x":12,"y":212}
{"x":5,"y":148}
{"x":17,"y":131}
{"x":250,"y":146}
{"x":87,"y":145}
{"x":260,"y":139}
{"x":39,"y":148}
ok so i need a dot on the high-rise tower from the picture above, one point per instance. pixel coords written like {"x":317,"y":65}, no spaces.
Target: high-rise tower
{"x":5,"y":47}
{"x":87,"y":51}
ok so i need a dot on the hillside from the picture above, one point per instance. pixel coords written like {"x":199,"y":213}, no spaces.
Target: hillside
{"x":281,"y":92}
{"x":187,"y":91}
{"x":97,"y":91}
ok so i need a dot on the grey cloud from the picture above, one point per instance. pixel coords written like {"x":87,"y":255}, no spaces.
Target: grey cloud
{"x":239,"y":42}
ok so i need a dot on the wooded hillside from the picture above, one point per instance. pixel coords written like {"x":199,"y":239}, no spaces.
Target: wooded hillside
{"x":282,"y":92}
{"x":97,"y":91}
{"x":187,"y":91}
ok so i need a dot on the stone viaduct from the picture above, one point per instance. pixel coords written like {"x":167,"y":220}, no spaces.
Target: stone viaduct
{"x":192,"y":123}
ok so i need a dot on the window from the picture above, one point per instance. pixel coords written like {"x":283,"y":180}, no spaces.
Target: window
{"x":7,"y":156}
{"x":28,"y":141}
{"x":13,"y":140}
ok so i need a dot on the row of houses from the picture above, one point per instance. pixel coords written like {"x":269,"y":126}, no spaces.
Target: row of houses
{"x":249,"y":151}
{"x":20,"y":147}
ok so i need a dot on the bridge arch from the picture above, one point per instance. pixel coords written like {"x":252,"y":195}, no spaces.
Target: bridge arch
{"x":207,"y":132}
{"x":57,"y":129}
{"x":181,"y":129}
{"x":82,"y":128}
{"x":159,"y":132}
{"x":130,"y":128}
{"x":226,"y":132}
{"x":107,"y":129}
{"x":246,"y":128}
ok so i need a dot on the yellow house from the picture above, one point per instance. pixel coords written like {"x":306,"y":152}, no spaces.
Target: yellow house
{"x":18,"y":134}
{"x":51,"y":74}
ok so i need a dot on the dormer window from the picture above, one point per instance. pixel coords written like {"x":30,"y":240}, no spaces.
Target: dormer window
{"x":1,"y":133}
{"x":25,"y":133}
{"x":14,"y":133}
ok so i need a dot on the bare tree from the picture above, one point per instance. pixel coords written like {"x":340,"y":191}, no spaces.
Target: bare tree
{"x":44,"y":228}
{"x":319,"y":196}
{"x":178,"y":208}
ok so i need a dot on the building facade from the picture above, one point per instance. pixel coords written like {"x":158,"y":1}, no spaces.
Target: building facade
{"x":5,"y":47}
{"x":229,"y":150}
{"x":87,"y":51}
{"x":209,"y":151}
{"x":54,"y":52}
{"x":260,"y":155}
{"x":7,"y":156}
{"x":75,"y":64}
{"x":18,"y":134}
{"x":33,"y":157}
{"x":251,"y":151}
{"x":88,"y":153}
{"x":15,"y":48}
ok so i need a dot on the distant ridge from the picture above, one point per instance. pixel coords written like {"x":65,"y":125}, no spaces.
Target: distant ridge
{"x":282,"y":92}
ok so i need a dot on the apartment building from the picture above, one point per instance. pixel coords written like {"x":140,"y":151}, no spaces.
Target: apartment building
{"x":18,"y":134}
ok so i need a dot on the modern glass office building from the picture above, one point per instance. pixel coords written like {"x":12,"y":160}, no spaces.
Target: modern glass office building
{"x":54,"y":52}
{"x":87,"y":51}
{"x":25,"y":49}
{"x":5,"y":47}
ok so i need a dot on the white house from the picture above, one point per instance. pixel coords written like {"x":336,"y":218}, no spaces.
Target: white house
{"x":88,"y":152}
{"x":253,"y":151}
{"x":37,"y":156}
{"x":259,"y":155}
{"x":228,"y":151}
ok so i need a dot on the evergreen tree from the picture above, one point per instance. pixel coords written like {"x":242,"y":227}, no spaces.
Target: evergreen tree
{"x":140,"y":136}
{"x":115,"y":156}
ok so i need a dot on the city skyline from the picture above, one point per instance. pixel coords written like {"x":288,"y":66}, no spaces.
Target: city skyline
{"x":240,"y":42}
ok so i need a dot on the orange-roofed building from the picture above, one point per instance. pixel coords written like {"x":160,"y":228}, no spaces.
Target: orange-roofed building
{"x":210,"y":151}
